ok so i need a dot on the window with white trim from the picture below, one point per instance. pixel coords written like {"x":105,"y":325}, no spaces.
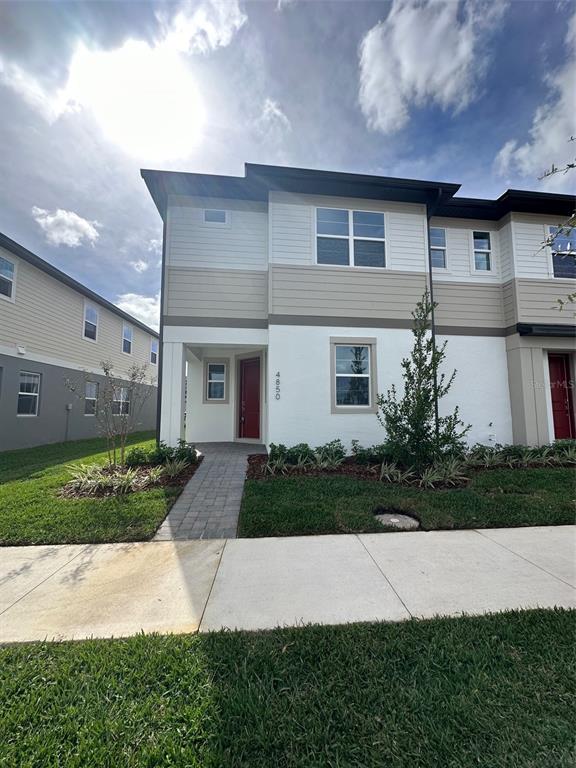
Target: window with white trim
{"x":353,"y":374}
{"x":121,"y":401}
{"x":215,"y":216}
{"x":28,"y":394}
{"x":216,"y":381}
{"x":346,"y":237}
{"x":438,"y":247}
{"x":90,"y":398}
{"x":127,"y":338}
{"x":7,"y":270}
{"x":563,"y":249}
{"x":154,"y":351}
{"x":90,"y":330}
{"x":482,"y":252}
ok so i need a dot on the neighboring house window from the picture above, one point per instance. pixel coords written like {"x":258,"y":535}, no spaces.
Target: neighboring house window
{"x":215,"y":381}
{"x":154,"y":351}
{"x":438,"y":247}
{"x":6,"y":278}
{"x":28,"y":394}
{"x":90,"y":322}
{"x":482,"y":252}
{"x":563,"y":253}
{"x":121,"y":401}
{"x":127,"y":336}
{"x":90,"y":398}
{"x":215,"y":216}
{"x":353,"y":369}
{"x":350,"y":237}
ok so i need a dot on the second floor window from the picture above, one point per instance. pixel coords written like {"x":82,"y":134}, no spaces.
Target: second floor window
{"x":154,"y":351}
{"x":438,"y":247}
{"x":90,"y":322}
{"x":127,"y":335}
{"x":350,"y":238}
{"x":6,"y":278}
{"x":482,"y":252}
{"x":563,"y":248}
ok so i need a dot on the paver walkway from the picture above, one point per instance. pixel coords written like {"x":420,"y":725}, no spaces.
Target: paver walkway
{"x":208,"y":506}
{"x":105,"y":590}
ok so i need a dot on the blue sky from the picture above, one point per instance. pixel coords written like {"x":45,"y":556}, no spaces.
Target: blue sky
{"x":480,"y":93}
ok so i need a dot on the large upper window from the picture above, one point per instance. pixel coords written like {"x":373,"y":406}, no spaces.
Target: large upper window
{"x":121,"y":401}
{"x":350,"y":238}
{"x":154,"y":351}
{"x":90,"y":398}
{"x":90,"y":322}
{"x":6,"y":278}
{"x":563,"y":248}
{"x":482,"y":252}
{"x":438,"y":247}
{"x":127,"y":336}
{"x":353,"y":375}
{"x":28,"y":394}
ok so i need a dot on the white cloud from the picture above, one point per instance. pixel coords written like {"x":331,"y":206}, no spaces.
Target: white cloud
{"x":424,"y":53}
{"x":155,"y":246}
{"x":139,"y":266}
{"x":553,"y":123}
{"x":203,"y":27}
{"x":273,"y":124}
{"x":66,"y":227}
{"x":144,"y":308}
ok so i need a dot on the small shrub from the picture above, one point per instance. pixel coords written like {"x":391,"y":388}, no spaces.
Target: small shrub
{"x":389,"y":472}
{"x":86,"y":478}
{"x":137,"y":456}
{"x":277,"y":451}
{"x":276,"y":465}
{"x":299,"y":454}
{"x":453,"y":472}
{"x":122,"y":481}
{"x":334,"y":450}
{"x":161,"y":453}
{"x":375,"y":454}
{"x":431,"y":477}
{"x":174,"y":467}
{"x":185,"y":452}
{"x":154,"y":475}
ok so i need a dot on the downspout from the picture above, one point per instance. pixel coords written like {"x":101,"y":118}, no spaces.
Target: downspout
{"x":430,"y":211}
{"x":161,"y":328}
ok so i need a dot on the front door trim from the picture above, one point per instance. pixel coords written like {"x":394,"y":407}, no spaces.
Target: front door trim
{"x":565,"y":360}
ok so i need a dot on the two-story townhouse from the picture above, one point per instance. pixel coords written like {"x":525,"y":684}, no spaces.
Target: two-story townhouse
{"x":54,"y":335}
{"x":287,"y":297}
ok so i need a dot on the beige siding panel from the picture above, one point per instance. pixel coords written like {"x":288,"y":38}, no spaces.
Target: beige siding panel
{"x":537,"y":301}
{"x":406,"y":241}
{"x":47,"y":319}
{"x":240,"y":244}
{"x":216,"y":293}
{"x":333,"y":292}
{"x":509,"y":300}
{"x":531,"y":259}
{"x":465,"y":304}
{"x":506,"y":251}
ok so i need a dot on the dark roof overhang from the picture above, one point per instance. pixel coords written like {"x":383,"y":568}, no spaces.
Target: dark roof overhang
{"x":23,"y":253}
{"x":513,"y":200}
{"x":542,"y":329}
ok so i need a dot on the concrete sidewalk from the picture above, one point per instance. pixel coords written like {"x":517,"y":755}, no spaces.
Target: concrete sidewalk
{"x":72,"y":592}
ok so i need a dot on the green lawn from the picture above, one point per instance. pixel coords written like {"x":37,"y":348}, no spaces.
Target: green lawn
{"x":32,"y":513}
{"x":494,"y":498}
{"x":494,"y":691}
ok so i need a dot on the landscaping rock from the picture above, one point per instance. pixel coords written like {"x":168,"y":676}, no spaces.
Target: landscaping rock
{"x":401,"y":522}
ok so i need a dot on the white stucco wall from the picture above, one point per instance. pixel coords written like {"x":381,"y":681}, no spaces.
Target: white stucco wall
{"x":301,"y":355}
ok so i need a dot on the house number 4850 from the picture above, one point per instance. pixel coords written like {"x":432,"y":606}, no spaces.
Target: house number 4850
{"x":277,"y":386}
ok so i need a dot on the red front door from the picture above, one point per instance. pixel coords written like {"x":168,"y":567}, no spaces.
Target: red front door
{"x":249,"y":411}
{"x":562,"y":405}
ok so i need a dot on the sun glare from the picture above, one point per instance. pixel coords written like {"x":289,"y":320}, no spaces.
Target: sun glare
{"x":144,"y":98}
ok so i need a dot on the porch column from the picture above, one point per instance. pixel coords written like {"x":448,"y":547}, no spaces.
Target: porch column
{"x":173,"y":392}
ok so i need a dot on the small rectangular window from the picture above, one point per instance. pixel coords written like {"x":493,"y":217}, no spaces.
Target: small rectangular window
{"x":482,"y":252}
{"x":121,"y":401}
{"x":438,"y":247}
{"x":6,"y":278}
{"x":215,"y":216}
{"x":90,"y":398}
{"x":216,"y":381}
{"x":352,"y":375}
{"x":127,"y":335}
{"x":154,"y":351}
{"x":28,"y":394}
{"x":563,"y":248}
{"x":90,"y":322}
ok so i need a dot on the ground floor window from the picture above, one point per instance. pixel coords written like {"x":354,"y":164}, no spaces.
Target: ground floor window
{"x":353,"y":369}
{"x":121,"y":401}
{"x":28,"y":394}
{"x":90,"y":398}
{"x":216,"y":381}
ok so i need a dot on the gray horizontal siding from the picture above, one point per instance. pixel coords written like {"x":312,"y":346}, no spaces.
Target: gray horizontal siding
{"x":538,"y":301}
{"x":469,"y":304}
{"x":216,"y":293}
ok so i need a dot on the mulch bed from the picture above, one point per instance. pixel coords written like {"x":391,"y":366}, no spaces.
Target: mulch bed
{"x":348,"y":468}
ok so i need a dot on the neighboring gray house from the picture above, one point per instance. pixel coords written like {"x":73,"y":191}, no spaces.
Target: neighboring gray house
{"x":53,"y":330}
{"x":287,"y":297}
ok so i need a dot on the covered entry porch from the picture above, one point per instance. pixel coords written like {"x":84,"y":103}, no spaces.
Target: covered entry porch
{"x":214,"y":391}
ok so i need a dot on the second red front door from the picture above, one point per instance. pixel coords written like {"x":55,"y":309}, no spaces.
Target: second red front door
{"x":249,"y":395}
{"x":561,"y":392}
